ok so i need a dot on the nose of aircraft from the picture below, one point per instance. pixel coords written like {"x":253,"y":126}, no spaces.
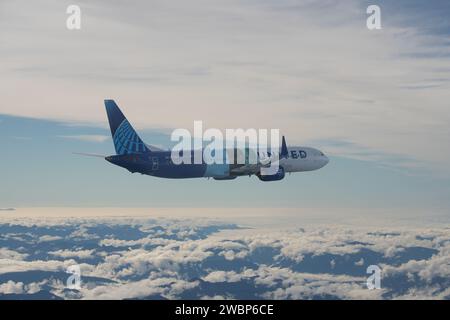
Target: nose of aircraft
{"x":325,"y":160}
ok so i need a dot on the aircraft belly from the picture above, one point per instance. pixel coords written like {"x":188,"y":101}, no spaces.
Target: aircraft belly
{"x":217,"y":170}
{"x":180,"y":171}
{"x":295,"y":165}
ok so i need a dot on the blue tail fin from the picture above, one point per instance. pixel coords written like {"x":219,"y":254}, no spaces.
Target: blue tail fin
{"x":126,"y":140}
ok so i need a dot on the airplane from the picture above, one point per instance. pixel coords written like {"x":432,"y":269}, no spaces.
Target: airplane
{"x":136,"y":156}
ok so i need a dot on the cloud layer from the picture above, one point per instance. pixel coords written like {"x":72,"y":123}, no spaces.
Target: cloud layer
{"x":203,"y":259}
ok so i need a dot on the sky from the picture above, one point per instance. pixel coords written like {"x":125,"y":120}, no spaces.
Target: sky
{"x":375,"y":101}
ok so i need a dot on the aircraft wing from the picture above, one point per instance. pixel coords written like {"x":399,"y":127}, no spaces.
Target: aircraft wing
{"x":249,"y":169}
{"x":245,"y":169}
{"x":90,"y":154}
{"x":154,"y":148}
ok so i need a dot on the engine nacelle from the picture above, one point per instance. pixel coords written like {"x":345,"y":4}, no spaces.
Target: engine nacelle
{"x":275,"y":177}
{"x":225,"y":178}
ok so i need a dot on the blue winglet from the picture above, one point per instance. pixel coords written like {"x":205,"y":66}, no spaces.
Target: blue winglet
{"x":284,"y":149}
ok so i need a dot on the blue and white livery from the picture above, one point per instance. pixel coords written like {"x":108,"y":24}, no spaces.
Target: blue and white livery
{"x":136,"y":156}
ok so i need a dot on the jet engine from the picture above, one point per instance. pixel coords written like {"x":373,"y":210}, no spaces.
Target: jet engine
{"x":275,"y":177}
{"x":225,"y":178}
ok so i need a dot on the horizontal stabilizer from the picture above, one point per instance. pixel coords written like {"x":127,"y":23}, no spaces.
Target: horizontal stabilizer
{"x":90,"y":154}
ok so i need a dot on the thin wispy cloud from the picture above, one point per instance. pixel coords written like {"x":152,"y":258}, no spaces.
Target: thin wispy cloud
{"x":22,"y":138}
{"x":88,"y":137}
{"x":311,"y":69}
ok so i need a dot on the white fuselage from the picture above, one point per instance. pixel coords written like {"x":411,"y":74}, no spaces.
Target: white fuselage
{"x":303,"y":159}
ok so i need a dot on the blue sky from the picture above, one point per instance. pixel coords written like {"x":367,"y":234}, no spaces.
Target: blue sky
{"x":42,"y":170}
{"x":375,"y":101}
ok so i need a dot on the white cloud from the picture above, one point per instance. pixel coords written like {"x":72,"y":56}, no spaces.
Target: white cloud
{"x":438,"y":266}
{"x":223,"y":276}
{"x":216,"y":297}
{"x":48,"y":238}
{"x":81,"y":254}
{"x":11,"y":287}
{"x":232,"y":255}
{"x":11,"y":254}
{"x":88,"y":137}
{"x":9,"y":265}
{"x":128,"y":243}
{"x":168,"y":287}
{"x":34,"y":287}
{"x":294,"y":285}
